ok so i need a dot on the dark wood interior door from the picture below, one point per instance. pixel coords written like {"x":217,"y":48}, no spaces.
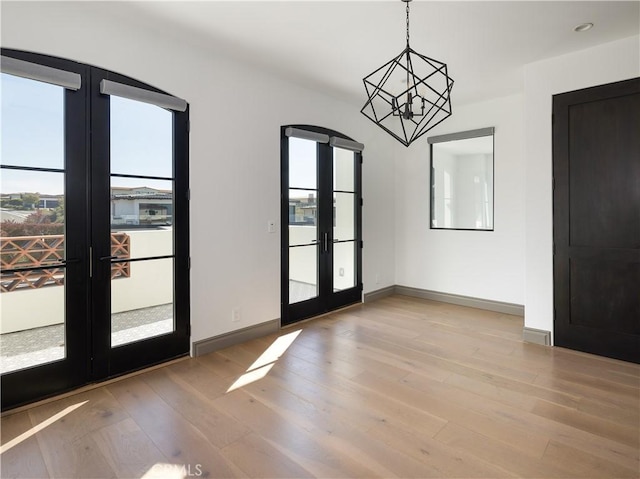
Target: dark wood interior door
{"x":596,"y":215}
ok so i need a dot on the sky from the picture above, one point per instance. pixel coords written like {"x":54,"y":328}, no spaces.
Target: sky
{"x":303,"y":165}
{"x":32,"y":134}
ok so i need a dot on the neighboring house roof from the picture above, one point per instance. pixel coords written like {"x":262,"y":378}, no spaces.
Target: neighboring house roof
{"x":142,"y":196}
{"x":134,"y":188}
{"x":12,"y":215}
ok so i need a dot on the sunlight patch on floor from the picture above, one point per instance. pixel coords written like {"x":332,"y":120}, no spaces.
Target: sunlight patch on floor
{"x":261,"y":366}
{"x":162,"y":470}
{"x":35,"y":429}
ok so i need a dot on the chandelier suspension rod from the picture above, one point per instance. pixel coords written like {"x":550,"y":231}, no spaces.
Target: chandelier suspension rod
{"x":408,"y":113}
{"x":407,"y":1}
{"x":407,"y":47}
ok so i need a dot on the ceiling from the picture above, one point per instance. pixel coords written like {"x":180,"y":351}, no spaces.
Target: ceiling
{"x":332,"y":45}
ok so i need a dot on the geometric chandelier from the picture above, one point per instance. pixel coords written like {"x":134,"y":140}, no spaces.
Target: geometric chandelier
{"x":408,"y":95}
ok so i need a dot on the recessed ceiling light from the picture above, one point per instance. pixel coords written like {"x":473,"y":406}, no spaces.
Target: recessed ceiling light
{"x":583,"y":27}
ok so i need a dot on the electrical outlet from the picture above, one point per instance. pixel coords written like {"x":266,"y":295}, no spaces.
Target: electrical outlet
{"x":271,"y":226}
{"x":341,"y":271}
{"x":235,"y":315}
{"x":377,"y":278}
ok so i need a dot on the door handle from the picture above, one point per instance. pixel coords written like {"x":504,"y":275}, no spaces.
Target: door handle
{"x":104,"y":258}
{"x":69,"y":261}
{"x":325,"y":242}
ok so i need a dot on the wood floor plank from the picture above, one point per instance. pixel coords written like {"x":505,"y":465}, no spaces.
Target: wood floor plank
{"x":440,"y":459}
{"x":127,"y":449}
{"x":458,"y":410}
{"x":584,"y":464}
{"x":629,"y":435}
{"x":341,"y":398}
{"x":370,"y":358}
{"x":610,"y":412}
{"x":220,"y":365}
{"x":499,"y":453}
{"x":177,"y":439}
{"x":335,"y":427}
{"x":600,"y":385}
{"x":361,"y":405}
{"x":513,"y":417}
{"x":328,"y":360}
{"x":289,"y":438}
{"x":592,"y":371}
{"x":518,"y":394}
{"x":66,"y":443}
{"x":258,"y":458}
{"x":219,"y":429}
{"x":627,"y":401}
{"x":21,"y":455}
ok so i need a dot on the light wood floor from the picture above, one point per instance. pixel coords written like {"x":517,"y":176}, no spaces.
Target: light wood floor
{"x":396,"y":388}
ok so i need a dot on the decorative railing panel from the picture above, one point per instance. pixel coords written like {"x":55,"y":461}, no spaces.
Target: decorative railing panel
{"x":120,"y":247}
{"x":37,"y":251}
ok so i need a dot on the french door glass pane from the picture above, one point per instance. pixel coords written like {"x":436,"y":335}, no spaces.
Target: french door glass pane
{"x":344,"y":219}
{"x":303,"y":273}
{"x":33,"y":320}
{"x":344,"y":263}
{"x":141,"y":221}
{"x":32,"y":201}
{"x":32,"y":226}
{"x":141,"y":139}
{"x":344,"y":216}
{"x":303,"y":218}
{"x":141,"y":218}
{"x":141,"y":300}
{"x":303,"y":164}
{"x":343,"y":170}
{"x":32,"y":123}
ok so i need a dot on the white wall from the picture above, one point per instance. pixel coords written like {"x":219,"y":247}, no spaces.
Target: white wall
{"x":236,"y":113}
{"x":481,"y":264}
{"x":150,"y":282}
{"x":31,"y":308}
{"x":605,"y":63}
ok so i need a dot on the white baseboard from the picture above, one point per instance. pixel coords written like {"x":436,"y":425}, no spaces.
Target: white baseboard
{"x":536,"y":336}
{"x":222,"y":341}
{"x":378,"y":294}
{"x":487,"y":304}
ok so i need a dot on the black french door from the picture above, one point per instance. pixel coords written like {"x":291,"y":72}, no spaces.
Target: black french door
{"x":94,"y":233}
{"x":321,"y":221}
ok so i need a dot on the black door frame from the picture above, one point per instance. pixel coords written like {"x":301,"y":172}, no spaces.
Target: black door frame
{"x":327,"y":300}
{"x":89,"y":356}
{"x":107,"y":361}
{"x":25,"y":385}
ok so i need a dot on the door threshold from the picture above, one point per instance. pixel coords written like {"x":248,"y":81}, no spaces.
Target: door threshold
{"x":89,"y":387}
